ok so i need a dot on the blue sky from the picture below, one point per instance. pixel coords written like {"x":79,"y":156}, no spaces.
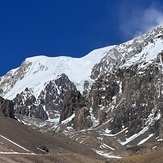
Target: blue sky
{"x":70,"y":27}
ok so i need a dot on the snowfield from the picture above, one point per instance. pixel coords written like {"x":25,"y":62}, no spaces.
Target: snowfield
{"x":42,"y":69}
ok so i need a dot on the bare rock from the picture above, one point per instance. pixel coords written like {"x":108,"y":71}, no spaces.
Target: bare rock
{"x":7,"y":108}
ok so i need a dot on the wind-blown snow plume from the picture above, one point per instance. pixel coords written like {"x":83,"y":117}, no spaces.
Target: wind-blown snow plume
{"x":135,"y":20}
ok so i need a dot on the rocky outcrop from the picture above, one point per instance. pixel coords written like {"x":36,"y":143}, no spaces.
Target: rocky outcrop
{"x":9,"y":80}
{"x":26,"y":104}
{"x":82,"y":119}
{"x":75,"y":103}
{"x":53,"y":95}
{"x":7,"y":108}
{"x":43,"y":148}
{"x":48,"y":104}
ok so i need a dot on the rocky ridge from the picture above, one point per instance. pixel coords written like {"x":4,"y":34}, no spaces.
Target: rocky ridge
{"x":49,"y":102}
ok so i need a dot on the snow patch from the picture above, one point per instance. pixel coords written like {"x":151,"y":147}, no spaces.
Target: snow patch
{"x":93,"y":118}
{"x":108,"y":155}
{"x":14,"y":143}
{"x":144,"y":140}
{"x":68,"y":119}
{"x":134,"y":136}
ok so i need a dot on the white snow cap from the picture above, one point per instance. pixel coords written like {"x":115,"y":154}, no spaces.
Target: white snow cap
{"x":43,"y":69}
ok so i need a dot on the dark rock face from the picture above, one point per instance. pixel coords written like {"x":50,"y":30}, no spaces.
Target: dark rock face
{"x":49,"y":101}
{"x":72,"y":101}
{"x":26,"y":104}
{"x":132,"y":98}
{"x":7,"y":108}
{"x":53,"y":94}
{"x":75,"y":103}
{"x":142,"y":100}
{"x":82,"y":119}
{"x":101,"y":95}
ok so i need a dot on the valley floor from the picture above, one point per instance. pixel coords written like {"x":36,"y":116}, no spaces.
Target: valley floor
{"x":19,"y":143}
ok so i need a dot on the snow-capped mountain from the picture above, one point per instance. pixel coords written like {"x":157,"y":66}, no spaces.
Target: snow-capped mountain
{"x":36,"y":72}
{"x":44,"y":80}
{"x":120,"y":92}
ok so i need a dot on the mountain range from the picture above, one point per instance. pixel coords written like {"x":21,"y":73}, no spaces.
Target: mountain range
{"x":110,"y":100}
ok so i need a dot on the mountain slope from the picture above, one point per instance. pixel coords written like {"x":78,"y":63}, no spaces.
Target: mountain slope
{"x":61,"y":149}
